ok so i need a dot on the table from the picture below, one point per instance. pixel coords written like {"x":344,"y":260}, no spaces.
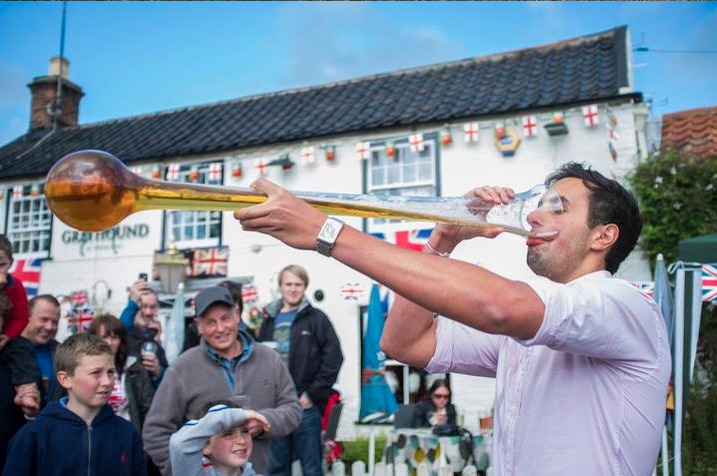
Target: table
{"x":416,"y":447}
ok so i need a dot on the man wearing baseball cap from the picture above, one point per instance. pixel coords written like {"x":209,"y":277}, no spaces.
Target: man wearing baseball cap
{"x":226,"y":364}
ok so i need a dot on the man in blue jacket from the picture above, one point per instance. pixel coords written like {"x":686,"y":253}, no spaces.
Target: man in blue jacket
{"x":307,"y":342}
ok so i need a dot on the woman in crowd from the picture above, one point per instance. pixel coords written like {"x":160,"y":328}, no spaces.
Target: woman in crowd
{"x":437,"y":410}
{"x":133,"y":391}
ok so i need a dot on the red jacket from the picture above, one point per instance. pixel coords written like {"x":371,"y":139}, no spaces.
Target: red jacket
{"x":16,"y":320}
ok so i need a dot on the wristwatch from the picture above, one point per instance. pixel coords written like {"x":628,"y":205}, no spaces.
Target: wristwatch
{"x":327,"y":236}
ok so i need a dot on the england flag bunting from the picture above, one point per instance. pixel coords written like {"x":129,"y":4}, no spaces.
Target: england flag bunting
{"x":590,"y":114}
{"x":215,"y":172}
{"x":308,"y":155}
{"x":530,"y":126}
{"x":363,"y":150}
{"x":173,"y":172}
{"x":416,"y":142}
{"x":470,"y":132}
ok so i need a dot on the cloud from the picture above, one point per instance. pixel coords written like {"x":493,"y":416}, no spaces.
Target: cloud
{"x":337,"y":41}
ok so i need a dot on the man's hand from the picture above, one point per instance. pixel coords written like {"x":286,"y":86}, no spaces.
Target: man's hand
{"x":446,"y":237}
{"x":27,"y":397}
{"x":283,"y":216}
{"x":256,"y":426}
{"x":305,"y":401}
{"x":151,"y":363}
{"x":138,"y":288}
{"x":256,"y":419}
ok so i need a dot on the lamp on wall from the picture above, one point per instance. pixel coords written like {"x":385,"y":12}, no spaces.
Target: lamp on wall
{"x":172,"y":268}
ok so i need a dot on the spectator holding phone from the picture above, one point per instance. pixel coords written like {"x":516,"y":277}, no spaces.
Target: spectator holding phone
{"x":140,"y":319}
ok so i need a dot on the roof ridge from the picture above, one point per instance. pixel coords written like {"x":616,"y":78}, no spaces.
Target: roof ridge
{"x":414,"y":70}
{"x":684,"y":112}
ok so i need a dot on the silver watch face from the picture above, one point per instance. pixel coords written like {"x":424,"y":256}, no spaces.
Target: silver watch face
{"x":329,"y":231}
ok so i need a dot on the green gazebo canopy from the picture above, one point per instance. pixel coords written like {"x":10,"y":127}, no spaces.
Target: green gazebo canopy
{"x":702,"y":249}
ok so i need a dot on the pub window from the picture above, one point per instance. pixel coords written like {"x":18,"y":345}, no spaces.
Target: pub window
{"x":29,"y":222}
{"x":192,"y":229}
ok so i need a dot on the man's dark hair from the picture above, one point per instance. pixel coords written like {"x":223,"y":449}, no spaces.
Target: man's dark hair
{"x":609,"y":202}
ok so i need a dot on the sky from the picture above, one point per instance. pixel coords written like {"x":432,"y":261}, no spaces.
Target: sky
{"x":133,"y":58}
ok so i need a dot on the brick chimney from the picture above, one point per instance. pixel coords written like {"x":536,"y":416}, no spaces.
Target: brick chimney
{"x":43,"y":90}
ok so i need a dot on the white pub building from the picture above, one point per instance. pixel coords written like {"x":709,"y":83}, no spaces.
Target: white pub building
{"x":504,"y":119}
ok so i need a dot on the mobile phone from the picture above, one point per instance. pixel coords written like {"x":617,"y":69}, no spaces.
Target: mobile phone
{"x":143,"y":276}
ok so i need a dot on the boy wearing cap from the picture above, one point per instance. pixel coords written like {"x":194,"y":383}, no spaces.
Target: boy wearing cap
{"x":227,"y":363}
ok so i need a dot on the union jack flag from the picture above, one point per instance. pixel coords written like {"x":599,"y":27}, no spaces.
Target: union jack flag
{"x":209,"y":262}
{"x":709,"y":282}
{"x":410,"y":239}
{"x":80,"y":318}
{"x":80,"y":314}
{"x":645,"y":287}
{"x":249,"y":293}
{"x":28,"y":271}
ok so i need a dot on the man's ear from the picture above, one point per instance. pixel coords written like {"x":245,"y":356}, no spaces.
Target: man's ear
{"x":605,"y":236}
{"x":63,"y":379}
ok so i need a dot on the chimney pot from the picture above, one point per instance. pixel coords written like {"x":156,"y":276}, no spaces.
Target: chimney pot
{"x":59,"y":66}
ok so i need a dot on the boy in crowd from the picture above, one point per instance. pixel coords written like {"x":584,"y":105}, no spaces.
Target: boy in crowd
{"x":80,"y":434}
{"x":218,"y":443}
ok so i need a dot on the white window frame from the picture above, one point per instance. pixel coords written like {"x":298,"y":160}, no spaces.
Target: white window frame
{"x":411,"y":186}
{"x":30,"y":231}
{"x":198,"y":218}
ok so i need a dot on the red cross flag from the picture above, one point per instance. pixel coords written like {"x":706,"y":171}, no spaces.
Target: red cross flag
{"x":173,"y":172}
{"x":590,"y":113}
{"x":530,"y":126}
{"x":17,"y":192}
{"x":352,"y":291}
{"x":215,"y":172}
{"x":416,"y":142}
{"x":470,"y":132}
{"x":307,"y":155}
{"x":260,"y":166}
{"x":363,"y":149}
